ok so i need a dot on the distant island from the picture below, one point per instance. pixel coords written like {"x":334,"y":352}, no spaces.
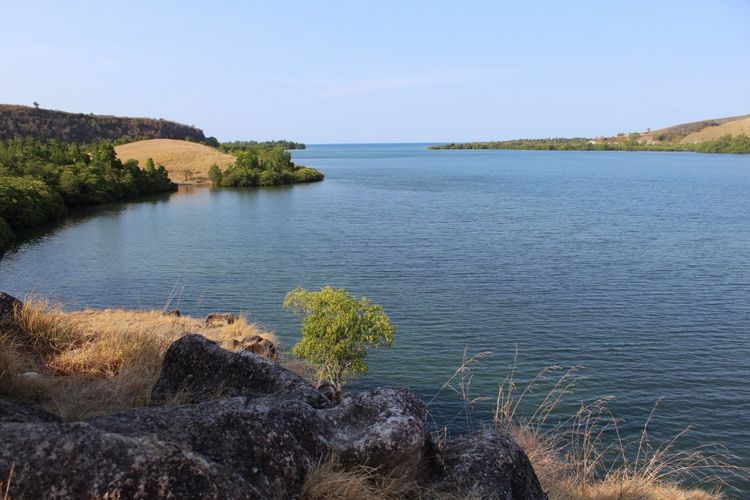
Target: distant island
{"x":723,"y":135}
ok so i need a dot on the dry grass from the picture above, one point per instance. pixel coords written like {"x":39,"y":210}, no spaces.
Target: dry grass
{"x":186,"y":162}
{"x":735,"y":127}
{"x":331,"y":480}
{"x":575,"y":457}
{"x":95,"y":361}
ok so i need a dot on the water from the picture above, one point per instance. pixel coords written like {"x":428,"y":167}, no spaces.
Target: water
{"x":634,"y":265}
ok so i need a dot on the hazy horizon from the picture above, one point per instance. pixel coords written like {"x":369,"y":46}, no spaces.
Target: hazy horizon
{"x":384,"y":72}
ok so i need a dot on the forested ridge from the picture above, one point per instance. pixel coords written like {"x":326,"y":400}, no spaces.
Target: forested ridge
{"x":44,"y":124}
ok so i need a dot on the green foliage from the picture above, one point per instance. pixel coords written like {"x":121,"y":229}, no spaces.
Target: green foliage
{"x":725,"y":144}
{"x":26,"y":202}
{"x":38,"y":180}
{"x":338,"y":330}
{"x":231,"y":147}
{"x":6,"y":235}
{"x":260,"y":166}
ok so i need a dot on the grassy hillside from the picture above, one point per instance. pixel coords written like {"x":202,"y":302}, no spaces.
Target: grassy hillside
{"x":722,"y":135}
{"x":44,"y":124}
{"x":186,"y":162}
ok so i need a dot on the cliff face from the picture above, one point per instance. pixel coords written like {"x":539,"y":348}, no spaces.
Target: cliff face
{"x":44,"y":124}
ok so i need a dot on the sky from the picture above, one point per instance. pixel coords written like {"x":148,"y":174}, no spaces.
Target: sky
{"x":383,"y":71}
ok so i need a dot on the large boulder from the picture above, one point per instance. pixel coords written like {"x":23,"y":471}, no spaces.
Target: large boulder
{"x":489,"y":464}
{"x":253,"y":430}
{"x":77,"y":460}
{"x":198,"y":369}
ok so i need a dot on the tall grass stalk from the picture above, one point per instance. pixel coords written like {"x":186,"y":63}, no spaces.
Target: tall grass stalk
{"x":583,"y":455}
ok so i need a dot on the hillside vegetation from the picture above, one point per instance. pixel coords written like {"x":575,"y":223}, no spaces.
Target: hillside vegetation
{"x":44,"y":124}
{"x":186,"y":162}
{"x":40,"y":180}
{"x":724,"y":135}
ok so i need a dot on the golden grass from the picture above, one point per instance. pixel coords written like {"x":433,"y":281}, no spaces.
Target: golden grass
{"x":735,"y":127}
{"x":569,"y":454}
{"x":331,"y":480}
{"x":186,"y":162}
{"x":95,"y":361}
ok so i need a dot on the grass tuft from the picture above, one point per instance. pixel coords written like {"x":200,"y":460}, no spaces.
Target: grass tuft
{"x":575,"y":457}
{"x":94,"y":362}
{"x":332,"y":480}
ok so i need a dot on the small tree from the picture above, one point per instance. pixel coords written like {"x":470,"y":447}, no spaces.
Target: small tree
{"x":36,"y":105}
{"x":338,"y":330}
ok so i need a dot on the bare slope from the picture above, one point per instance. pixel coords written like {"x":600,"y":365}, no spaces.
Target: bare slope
{"x":186,"y":162}
{"x":701,"y":131}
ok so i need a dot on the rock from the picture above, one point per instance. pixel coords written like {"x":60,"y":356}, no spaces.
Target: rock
{"x":220,"y":319}
{"x":489,"y":464}
{"x":258,"y":345}
{"x":173,"y":312}
{"x":21,"y":412}
{"x":30,"y":376}
{"x":199,"y":368}
{"x":8,"y":306}
{"x":77,"y":460}
{"x":383,"y":427}
{"x":328,"y":390}
{"x":253,"y":430}
{"x":236,"y":447}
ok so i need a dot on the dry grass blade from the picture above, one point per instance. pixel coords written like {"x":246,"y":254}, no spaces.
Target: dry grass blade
{"x":583,"y":455}
{"x":331,"y":480}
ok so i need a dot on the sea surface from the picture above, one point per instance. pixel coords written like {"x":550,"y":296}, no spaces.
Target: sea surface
{"x":632,"y":266}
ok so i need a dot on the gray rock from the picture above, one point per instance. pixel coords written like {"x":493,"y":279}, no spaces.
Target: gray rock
{"x":21,"y":412}
{"x":254,"y":430}
{"x":258,"y":345}
{"x":77,"y":460}
{"x":220,"y":319}
{"x":201,"y":370}
{"x":489,"y":464}
{"x":8,"y":306}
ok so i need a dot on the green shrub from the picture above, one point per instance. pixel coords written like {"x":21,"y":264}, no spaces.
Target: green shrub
{"x":338,"y":330}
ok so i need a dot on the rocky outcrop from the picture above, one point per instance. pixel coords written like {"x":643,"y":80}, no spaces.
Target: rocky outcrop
{"x":8,"y":306}
{"x":257,"y":345}
{"x":489,"y":464}
{"x":220,"y":319}
{"x":253,"y":430}
{"x":198,"y":370}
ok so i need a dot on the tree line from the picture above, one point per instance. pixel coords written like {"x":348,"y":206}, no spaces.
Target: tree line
{"x":725,"y":144}
{"x":40,"y":180}
{"x":229,"y":147}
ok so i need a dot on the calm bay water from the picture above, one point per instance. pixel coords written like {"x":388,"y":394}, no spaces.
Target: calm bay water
{"x":635,"y":266}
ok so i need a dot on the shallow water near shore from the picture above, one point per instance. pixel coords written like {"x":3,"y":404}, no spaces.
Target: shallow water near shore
{"x":635,"y":266}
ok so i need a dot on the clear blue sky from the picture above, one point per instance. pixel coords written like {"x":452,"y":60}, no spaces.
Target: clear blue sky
{"x":383,"y":71}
